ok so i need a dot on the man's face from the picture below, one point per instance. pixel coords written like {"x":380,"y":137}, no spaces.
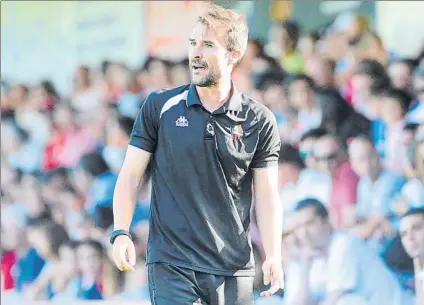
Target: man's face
{"x":275,"y":98}
{"x":400,"y":75}
{"x":209,"y":57}
{"x":90,"y":261}
{"x":320,"y":71}
{"x":326,"y":153}
{"x":310,"y":229}
{"x":412,"y":234}
{"x":360,"y":87}
{"x":300,"y":95}
{"x":391,"y":110}
{"x":363,"y":158}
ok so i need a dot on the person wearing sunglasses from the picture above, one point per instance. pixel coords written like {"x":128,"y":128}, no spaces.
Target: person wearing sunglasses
{"x":331,"y":160}
{"x":331,"y":267}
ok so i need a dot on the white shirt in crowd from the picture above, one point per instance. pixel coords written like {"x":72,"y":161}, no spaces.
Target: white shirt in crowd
{"x":413,"y":192}
{"x":351,"y":267}
{"x":311,"y":184}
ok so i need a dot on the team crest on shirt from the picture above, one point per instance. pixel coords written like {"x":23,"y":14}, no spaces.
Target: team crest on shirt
{"x":237,"y":133}
{"x":181,"y":122}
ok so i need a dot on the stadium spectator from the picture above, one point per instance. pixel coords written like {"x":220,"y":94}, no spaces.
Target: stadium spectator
{"x":301,"y":93}
{"x":298,"y":183}
{"x":377,"y":190}
{"x":412,"y":234}
{"x":338,"y":117}
{"x":331,"y":267}
{"x":291,"y":60}
{"x":400,"y":73}
{"x":332,"y":161}
{"x":306,"y":145}
{"x":48,"y":238}
{"x":395,"y":104}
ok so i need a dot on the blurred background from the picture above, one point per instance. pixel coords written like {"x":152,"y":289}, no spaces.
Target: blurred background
{"x":74,"y":75}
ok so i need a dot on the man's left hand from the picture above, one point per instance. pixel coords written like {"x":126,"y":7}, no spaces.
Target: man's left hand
{"x":273,"y":274}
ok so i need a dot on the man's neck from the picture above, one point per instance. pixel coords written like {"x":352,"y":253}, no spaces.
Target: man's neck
{"x":374,"y":175}
{"x":213,"y":97}
{"x":310,"y":108}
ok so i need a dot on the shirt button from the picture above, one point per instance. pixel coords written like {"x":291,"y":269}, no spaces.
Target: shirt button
{"x":211,"y":116}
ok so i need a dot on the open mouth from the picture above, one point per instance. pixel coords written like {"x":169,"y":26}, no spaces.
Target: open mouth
{"x":197,"y":66}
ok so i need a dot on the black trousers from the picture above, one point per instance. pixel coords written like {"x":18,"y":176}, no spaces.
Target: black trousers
{"x":172,"y":285}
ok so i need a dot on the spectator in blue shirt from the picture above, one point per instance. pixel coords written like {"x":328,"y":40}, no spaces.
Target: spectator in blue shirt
{"x":377,"y":189}
{"x":416,"y":111}
{"x":332,"y":268}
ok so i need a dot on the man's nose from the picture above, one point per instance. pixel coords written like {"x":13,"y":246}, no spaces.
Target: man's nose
{"x":301,"y":233}
{"x":197,"y":52}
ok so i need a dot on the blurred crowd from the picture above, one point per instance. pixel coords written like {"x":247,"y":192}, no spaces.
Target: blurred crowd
{"x":351,"y":119}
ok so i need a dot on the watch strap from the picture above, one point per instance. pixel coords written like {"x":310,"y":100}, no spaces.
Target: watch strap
{"x":117,"y":233}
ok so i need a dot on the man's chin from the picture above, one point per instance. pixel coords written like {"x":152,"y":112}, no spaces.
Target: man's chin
{"x":202,"y":83}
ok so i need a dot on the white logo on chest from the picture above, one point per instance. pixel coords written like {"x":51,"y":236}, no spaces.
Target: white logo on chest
{"x":181,"y":122}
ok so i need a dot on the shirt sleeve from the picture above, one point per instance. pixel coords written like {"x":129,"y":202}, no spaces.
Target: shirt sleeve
{"x":362,"y":208}
{"x":268,"y":149}
{"x":292,"y":283}
{"x":145,"y":130}
{"x":343,"y":264}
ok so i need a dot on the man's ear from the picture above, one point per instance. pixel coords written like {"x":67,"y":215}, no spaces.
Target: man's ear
{"x":235,"y":57}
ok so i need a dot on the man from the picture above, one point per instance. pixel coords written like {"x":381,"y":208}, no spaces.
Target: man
{"x":306,"y":145}
{"x":331,"y":160}
{"x":334,"y":268}
{"x":321,"y":70}
{"x":298,"y":182}
{"x":416,"y":111}
{"x":301,"y":94}
{"x":206,"y":143}
{"x":377,"y":189}
{"x":400,"y":73}
{"x":412,"y":235}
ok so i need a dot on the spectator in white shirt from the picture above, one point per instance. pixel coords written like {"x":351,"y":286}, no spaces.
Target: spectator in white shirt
{"x":412,"y":193}
{"x":334,"y":268}
{"x":377,"y":189}
{"x":298,"y":183}
{"x":395,"y":104}
{"x":301,"y":93}
{"x":412,"y":234}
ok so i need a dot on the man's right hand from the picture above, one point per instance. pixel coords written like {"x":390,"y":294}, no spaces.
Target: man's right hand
{"x":124,"y":253}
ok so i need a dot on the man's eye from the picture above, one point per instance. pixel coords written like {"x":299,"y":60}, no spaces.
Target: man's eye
{"x":209,"y":45}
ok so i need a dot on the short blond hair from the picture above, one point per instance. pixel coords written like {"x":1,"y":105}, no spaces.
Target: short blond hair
{"x":234,"y":24}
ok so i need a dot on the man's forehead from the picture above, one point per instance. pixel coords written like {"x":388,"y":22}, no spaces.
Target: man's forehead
{"x":305,"y":214}
{"x":411,"y":220}
{"x":359,"y":147}
{"x":203,"y":32}
{"x":325,"y":144}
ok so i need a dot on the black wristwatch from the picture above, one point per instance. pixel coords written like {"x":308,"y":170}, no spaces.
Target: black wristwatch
{"x":116,"y":233}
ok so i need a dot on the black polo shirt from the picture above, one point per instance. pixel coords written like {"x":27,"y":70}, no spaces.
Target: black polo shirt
{"x":202,"y":177}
